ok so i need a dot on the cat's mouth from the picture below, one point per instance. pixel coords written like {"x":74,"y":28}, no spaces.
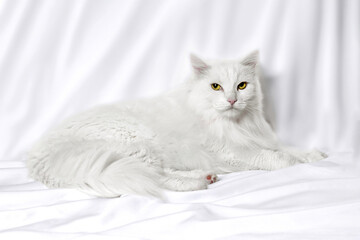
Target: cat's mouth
{"x":230,"y":108}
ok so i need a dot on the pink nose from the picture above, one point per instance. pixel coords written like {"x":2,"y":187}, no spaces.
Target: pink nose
{"x":232,"y":101}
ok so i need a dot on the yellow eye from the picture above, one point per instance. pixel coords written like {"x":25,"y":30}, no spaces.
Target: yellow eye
{"x":242,"y":85}
{"x":216,"y":86}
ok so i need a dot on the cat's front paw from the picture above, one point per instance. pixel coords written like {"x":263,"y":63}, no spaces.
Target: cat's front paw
{"x":315,"y":155}
{"x":211,"y":178}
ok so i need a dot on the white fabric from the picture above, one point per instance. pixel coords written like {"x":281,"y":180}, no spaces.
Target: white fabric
{"x":60,"y":57}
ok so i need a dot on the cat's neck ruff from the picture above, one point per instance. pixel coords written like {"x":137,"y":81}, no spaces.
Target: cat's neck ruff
{"x":248,"y":130}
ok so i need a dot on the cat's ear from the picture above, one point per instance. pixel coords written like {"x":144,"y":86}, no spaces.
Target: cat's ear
{"x":251,"y":59}
{"x":199,"y":66}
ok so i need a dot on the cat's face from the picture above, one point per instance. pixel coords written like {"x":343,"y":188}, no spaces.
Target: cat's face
{"x":225,"y":89}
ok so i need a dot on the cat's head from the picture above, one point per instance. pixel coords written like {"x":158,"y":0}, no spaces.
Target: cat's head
{"x":225,"y":89}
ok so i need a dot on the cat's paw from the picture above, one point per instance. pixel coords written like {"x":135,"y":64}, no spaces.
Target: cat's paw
{"x":315,"y":155}
{"x":211,"y":178}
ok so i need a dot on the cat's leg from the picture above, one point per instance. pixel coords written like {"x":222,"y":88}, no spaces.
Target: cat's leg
{"x":305,"y":156}
{"x":274,"y":159}
{"x":177,"y":183}
{"x":315,"y":155}
{"x":210,"y":177}
{"x":264,"y":159}
{"x":178,"y":180}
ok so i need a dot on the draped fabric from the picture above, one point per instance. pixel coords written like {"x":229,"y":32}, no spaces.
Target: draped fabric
{"x":58,"y":58}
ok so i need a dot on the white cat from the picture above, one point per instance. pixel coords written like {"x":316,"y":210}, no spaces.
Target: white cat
{"x":212,"y":124}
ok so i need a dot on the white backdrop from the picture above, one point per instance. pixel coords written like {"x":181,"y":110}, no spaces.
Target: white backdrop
{"x":60,"y":57}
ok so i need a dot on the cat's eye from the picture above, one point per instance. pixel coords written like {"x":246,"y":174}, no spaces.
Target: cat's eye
{"x":242,"y":85}
{"x":216,"y":86}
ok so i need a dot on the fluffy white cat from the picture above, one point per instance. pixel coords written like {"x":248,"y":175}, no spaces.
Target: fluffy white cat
{"x":212,"y":124}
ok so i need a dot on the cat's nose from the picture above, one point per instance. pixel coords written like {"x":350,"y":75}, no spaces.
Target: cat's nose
{"x":232,"y":101}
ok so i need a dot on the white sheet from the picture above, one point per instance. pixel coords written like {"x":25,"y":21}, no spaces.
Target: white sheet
{"x":312,"y":201}
{"x":60,"y":57}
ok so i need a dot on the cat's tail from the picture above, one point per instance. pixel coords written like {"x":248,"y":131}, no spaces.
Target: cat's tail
{"x":95,"y":170}
{"x":112,"y":177}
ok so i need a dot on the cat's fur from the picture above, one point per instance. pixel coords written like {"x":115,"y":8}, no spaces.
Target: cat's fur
{"x":177,"y":141}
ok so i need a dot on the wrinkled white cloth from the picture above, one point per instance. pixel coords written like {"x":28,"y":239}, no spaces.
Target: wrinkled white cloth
{"x":307,"y":201}
{"x":60,"y":57}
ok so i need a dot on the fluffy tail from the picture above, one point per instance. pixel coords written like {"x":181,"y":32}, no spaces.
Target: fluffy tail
{"x":120,"y":176}
{"x":93,"y":169}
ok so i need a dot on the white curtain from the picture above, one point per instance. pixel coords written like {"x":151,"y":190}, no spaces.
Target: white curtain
{"x":60,"y":57}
